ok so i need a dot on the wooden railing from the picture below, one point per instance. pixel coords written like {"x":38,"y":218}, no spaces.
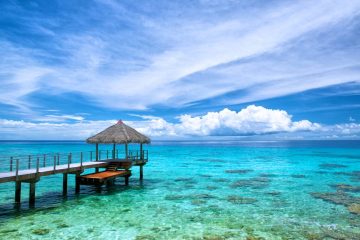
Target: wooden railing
{"x":24,"y":162}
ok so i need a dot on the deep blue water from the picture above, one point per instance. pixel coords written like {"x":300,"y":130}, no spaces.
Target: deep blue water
{"x":198,"y":190}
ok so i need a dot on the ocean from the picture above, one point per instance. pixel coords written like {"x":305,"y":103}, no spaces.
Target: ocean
{"x":198,"y":190}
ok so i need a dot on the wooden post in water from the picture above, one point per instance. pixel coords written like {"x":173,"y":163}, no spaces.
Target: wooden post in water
{"x":127,"y":180}
{"x":32,"y":193}
{"x":141,"y":172}
{"x":17,"y":191}
{"x":65,"y":180}
{"x":77,"y":182}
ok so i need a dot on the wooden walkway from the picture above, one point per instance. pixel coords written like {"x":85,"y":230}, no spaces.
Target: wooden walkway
{"x":28,"y":174}
{"x":32,"y":168}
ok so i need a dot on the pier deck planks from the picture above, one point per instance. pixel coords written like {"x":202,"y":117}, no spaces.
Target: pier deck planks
{"x":29,"y":174}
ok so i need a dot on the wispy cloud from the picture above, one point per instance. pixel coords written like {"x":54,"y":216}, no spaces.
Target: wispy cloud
{"x":135,"y":59}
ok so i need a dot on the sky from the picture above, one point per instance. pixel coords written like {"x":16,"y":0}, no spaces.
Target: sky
{"x":180,"y":69}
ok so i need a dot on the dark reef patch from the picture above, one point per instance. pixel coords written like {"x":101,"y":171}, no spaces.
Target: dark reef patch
{"x":239,"y":171}
{"x":211,"y":160}
{"x":298,"y":176}
{"x":186,"y":180}
{"x":241,"y":200}
{"x":273,"y":193}
{"x":267,"y":175}
{"x":355,"y":175}
{"x":255,"y":183}
{"x":346,"y":187}
{"x":221,"y":180}
{"x":340,"y":198}
{"x":205,"y":175}
{"x":332,"y":165}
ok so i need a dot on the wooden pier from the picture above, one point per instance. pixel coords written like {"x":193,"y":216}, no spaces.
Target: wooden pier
{"x":31,"y":168}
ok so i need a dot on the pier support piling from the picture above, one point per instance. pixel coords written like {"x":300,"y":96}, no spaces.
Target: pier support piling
{"x":77,"y":183}
{"x":17,"y":191}
{"x":127,"y":180}
{"x":141,"y":172}
{"x":65,"y":184}
{"x":32,"y":193}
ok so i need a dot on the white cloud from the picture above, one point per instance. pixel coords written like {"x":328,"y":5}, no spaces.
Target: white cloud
{"x":252,"y":120}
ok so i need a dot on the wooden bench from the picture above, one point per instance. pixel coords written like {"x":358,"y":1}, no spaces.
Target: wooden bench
{"x":113,"y":170}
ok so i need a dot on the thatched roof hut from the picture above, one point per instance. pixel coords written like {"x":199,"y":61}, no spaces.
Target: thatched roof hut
{"x":120,"y":133}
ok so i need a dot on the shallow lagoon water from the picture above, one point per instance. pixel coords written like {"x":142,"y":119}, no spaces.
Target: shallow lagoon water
{"x":239,"y":190}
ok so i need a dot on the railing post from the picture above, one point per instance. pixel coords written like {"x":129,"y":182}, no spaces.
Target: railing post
{"x":54,"y":163}
{"x":68,"y":161}
{"x":11,"y":164}
{"x":70,"y":157}
{"x":44,"y":161}
{"x":107,"y":154}
{"x":37,"y":164}
{"x":90,"y":156}
{"x":58,"y":159}
{"x":29,"y":162}
{"x":17,"y":169}
{"x":81,"y":159}
{"x":99,"y":154}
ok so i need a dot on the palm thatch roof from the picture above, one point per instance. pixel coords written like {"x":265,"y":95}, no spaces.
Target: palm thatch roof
{"x":119,"y":133}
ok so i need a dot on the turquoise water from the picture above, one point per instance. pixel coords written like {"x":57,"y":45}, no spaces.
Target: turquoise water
{"x":237,"y":190}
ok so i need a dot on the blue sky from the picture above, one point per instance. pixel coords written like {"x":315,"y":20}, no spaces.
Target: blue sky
{"x":289,"y":69}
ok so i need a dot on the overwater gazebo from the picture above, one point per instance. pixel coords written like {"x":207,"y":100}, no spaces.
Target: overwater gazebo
{"x":120,"y":133}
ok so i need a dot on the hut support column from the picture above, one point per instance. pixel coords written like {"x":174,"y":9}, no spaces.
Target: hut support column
{"x":65,"y":185}
{"x":17,"y":191}
{"x":114,"y":151}
{"x":141,"y":152}
{"x":126,"y":151}
{"x":141,"y":172}
{"x":32,"y":193}
{"x":97,"y":156}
